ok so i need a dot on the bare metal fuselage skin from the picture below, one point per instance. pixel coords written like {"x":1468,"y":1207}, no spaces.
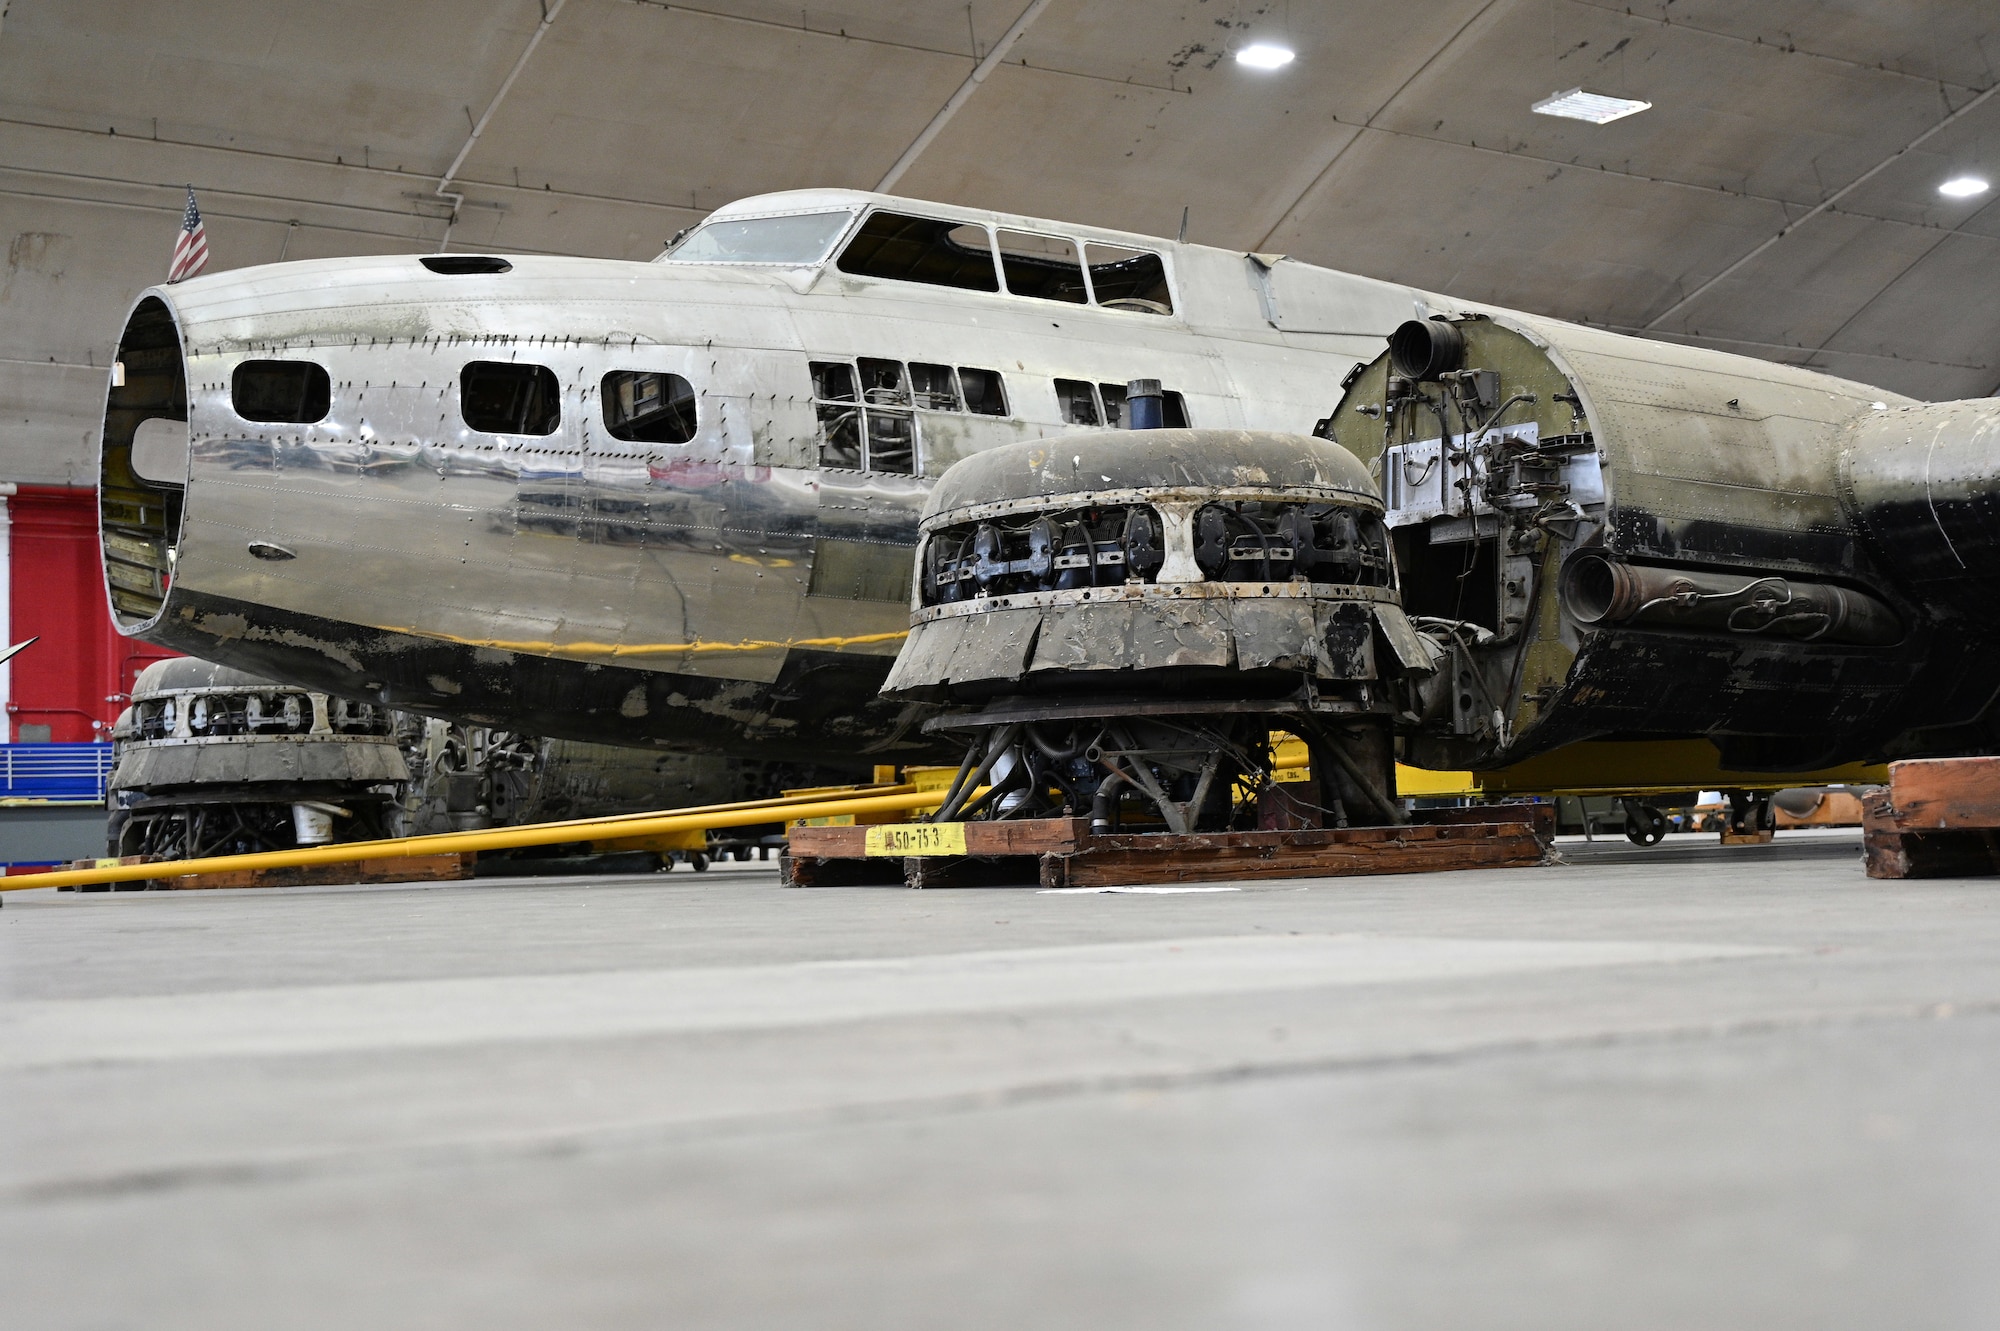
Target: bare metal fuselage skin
{"x":727,"y":595}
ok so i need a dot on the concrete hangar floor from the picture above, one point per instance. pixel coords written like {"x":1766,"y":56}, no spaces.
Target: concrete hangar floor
{"x":1692,"y":1086}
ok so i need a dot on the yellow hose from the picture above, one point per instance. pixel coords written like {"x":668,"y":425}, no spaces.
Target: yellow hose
{"x":499,"y":838}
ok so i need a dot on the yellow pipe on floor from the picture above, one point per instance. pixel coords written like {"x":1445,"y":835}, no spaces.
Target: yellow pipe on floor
{"x":498,"y":838}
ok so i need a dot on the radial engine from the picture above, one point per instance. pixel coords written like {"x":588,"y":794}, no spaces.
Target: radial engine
{"x":214,"y":761}
{"x":1126,"y":623}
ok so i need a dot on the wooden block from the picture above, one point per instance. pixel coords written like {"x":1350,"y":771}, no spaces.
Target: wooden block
{"x":1763,"y":836}
{"x":401,"y":869}
{"x":1889,"y":850}
{"x":1936,"y":793}
{"x":847,"y":842}
{"x":935,"y":871}
{"x":1034,"y":836}
{"x":838,"y":871}
{"x":1888,"y":853}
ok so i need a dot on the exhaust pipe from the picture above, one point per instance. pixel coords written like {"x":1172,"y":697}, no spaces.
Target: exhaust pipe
{"x":1600,"y":592}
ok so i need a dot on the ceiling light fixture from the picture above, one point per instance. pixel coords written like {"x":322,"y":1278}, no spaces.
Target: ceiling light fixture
{"x":1596,"y":107}
{"x":1963,"y":187}
{"x":1264,"y":55}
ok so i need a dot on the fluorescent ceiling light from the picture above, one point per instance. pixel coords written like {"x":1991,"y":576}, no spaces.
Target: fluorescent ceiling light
{"x":1963,"y":187}
{"x":1576,"y":104}
{"x":1263,"y":55}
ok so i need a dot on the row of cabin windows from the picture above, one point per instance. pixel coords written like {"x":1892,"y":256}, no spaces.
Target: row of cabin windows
{"x":495,"y":397}
{"x":866,"y":408}
{"x":974,"y":257}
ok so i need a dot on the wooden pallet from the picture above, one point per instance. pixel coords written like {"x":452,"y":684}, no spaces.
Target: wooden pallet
{"x":1062,"y":852}
{"x":1937,"y":818}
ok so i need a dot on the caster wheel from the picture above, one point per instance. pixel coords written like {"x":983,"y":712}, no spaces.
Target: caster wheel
{"x":1644,"y":825}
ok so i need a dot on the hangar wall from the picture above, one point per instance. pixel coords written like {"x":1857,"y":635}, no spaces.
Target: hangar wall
{"x":68,"y":687}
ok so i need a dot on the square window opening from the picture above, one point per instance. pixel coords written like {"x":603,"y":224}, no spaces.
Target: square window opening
{"x":287,"y":392}
{"x":1114,"y":404}
{"x":891,"y":428}
{"x":934,"y":387}
{"x":508,"y":397}
{"x":836,"y":406}
{"x":645,"y":407}
{"x":984,"y":394}
{"x":1077,"y":401}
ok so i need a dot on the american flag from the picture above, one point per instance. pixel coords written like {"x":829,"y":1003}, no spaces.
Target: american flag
{"x":191,"y":248}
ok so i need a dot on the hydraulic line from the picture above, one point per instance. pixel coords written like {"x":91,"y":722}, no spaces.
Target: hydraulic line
{"x":1103,"y":803}
{"x":1002,"y":741}
{"x":964,"y":771}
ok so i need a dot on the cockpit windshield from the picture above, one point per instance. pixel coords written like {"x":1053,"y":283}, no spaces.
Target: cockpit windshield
{"x":802,"y":238}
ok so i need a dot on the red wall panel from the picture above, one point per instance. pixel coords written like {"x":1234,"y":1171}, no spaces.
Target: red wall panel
{"x":82,"y":668}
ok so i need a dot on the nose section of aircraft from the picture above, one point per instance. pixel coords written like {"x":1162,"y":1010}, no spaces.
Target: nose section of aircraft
{"x":143,"y":464}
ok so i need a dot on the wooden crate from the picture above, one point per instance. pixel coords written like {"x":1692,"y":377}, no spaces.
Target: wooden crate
{"x":1062,"y":852}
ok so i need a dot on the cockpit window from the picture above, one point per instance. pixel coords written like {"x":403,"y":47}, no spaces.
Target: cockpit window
{"x":803,"y":238}
{"x":641,"y":407}
{"x":1045,"y":267}
{"x":291,"y":392}
{"x":921,"y":249}
{"x":507,"y":397}
{"x":1126,"y":279}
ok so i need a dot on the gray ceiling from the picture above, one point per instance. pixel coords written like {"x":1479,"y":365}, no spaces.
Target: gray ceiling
{"x":1399,"y":144}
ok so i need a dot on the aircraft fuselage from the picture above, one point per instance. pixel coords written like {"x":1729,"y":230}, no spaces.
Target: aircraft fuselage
{"x":743,"y":590}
